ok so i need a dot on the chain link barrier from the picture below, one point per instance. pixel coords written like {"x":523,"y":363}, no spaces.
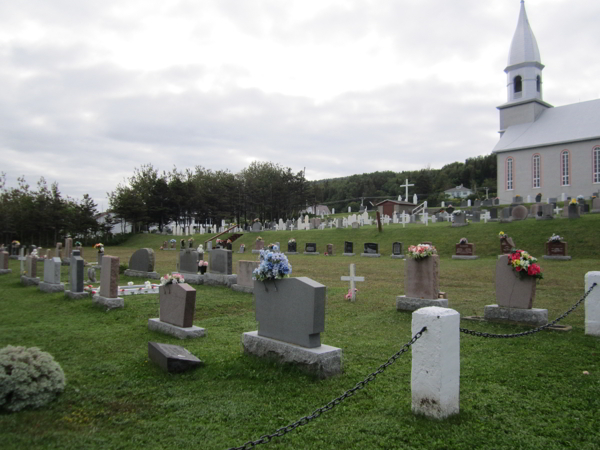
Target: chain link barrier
{"x":333,"y":403}
{"x":535,"y":330}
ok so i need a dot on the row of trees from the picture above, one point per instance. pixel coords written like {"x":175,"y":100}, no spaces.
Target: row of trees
{"x":43,"y":217}
{"x":262,"y":190}
{"x":429,"y":184}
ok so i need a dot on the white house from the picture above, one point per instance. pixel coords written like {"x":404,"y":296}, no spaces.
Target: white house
{"x":458,"y":192}
{"x":543,"y":149}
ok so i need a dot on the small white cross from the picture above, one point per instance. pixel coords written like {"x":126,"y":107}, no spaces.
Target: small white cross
{"x":406,"y":185}
{"x":352,"y":279}
{"x":557,"y":210}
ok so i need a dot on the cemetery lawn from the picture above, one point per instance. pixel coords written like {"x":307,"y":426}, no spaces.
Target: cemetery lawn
{"x":529,"y":392}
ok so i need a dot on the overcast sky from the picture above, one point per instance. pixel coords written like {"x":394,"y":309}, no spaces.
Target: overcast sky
{"x":90,"y":90}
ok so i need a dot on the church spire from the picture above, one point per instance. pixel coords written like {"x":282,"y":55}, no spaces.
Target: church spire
{"x":525,"y":67}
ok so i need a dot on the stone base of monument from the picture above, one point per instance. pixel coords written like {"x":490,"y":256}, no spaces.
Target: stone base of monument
{"x":173,"y":330}
{"x":5,"y":271}
{"x":324,"y":361}
{"x":558,"y":258}
{"x":291,"y":253}
{"x":30,"y":281}
{"x":533,"y":316}
{"x":348,"y":254}
{"x":240,"y":288}
{"x":108,"y":303}
{"x":371,"y":255}
{"x":544,"y":218}
{"x":256,"y":252}
{"x":219,"y":279}
{"x":192,"y":278}
{"x":505,"y":220}
{"x":312,"y":253}
{"x":76,"y":295}
{"x":460,"y":224}
{"x":492,"y":220}
{"x":13,"y":257}
{"x":404,"y":303}
{"x":140,"y":274}
{"x":465,"y":256}
{"x":398,"y":257}
{"x":51,"y":287}
{"x":595,"y":211}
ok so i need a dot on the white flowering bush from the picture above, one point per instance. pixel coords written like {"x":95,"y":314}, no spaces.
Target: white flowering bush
{"x":29,"y":378}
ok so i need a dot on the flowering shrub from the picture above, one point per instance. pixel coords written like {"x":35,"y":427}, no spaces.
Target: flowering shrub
{"x":30,"y":378}
{"x":259,"y":238}
{"x":172,"y":279}
{"x":291,"y":241}
{"x":421,"y":251}
{"x":573,"y":201}
{"x":202,"y":263}
{"x":172,"y":241}
{"x":99,"y":247}
{"x":525,"y":264}
{"x":272,"y":266}
{"x":503,"y":235}
{"x":555,"y":238}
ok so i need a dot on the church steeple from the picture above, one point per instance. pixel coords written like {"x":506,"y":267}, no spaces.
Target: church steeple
{"x":525,"y":66}
{"x":524,"y":78}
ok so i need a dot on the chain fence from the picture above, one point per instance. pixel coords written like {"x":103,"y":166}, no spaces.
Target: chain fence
{"x":333,"y":403}
{"x":535,"y":330}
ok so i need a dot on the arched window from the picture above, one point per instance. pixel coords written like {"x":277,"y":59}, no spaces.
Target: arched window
{"x":596,"y":164}
{"x":565,"y":168}
{"x":538,"y":83}
{"x":518,"y":84}
{"x":509,"y":174}
{"x":536,"y":169}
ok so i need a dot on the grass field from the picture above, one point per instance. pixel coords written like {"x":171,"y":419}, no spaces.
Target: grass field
{"x":527,"y":392}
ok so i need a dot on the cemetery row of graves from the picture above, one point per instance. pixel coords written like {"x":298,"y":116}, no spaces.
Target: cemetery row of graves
{"x":207,"y":337}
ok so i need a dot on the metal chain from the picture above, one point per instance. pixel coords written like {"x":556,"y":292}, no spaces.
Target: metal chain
{"x":535,"y":330}
{"x":333,"y":403}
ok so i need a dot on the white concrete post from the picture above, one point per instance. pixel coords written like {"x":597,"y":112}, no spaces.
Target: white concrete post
{"x":435,"y":377}
{"x":592,"y":304}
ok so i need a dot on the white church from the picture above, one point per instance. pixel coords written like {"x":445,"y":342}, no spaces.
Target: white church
{"x":543,"y":149}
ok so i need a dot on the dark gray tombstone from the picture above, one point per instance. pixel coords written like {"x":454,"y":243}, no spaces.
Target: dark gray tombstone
{"x":172,"y":358}
{"x":177,"y":304}
{"x":348,"y":248}
{"x":487,"y":202}
{"x":292,"y":247}
{"x":573,"y":212}
{"x":450,"y":209}
{"x":538,"y":198}
{"x":370,"y":249}
{"x":221,"y":262}
{"x":76,"y":269}
{"x":496,"y":201}
{"x":256,"y":227}
{"x":310,"y":247}
{"x":141,"y":264}
{"x":188,"y":261}
{"x":397,"y":248}
{"x":493,"y":213}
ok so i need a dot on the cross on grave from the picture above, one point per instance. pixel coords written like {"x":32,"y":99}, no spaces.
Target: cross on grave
{"x":406,"y":185}
{"x":557,"y":210}
{"x":22,"y":258}
{"x":352,"y":279}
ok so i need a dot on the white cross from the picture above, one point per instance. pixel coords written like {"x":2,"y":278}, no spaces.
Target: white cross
{"x":406,"y":185}
{"x":352,"y":279}
{"x":557,"y":210}
{"x":22,"y":259}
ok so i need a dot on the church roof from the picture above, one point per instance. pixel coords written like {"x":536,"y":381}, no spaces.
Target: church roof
{"x":524,"y":47}
{"x":569,"y":123}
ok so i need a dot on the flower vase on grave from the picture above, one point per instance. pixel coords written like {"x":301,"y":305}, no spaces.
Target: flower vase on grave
{"x":202,"y":270}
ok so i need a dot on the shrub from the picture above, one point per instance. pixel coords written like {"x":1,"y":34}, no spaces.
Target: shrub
{"x":29,"y":377}
{"x":123,"y":267}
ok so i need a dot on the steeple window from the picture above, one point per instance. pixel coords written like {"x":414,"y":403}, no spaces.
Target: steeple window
{"x":518,"y":86}
{"x":538,"y":83}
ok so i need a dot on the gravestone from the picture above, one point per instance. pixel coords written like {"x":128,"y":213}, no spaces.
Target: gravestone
{"x":573,"y":212}
{"x":557,"y":250}
{"x":519,"y":213}
{"x":514,"y":297}
{"x":58,"y":253}
{"x":290,"y":321}
{"x":506,"y":245}
{"x":51,"y":281}
{"x":68,"y":248}
{"x":355,"y":225}
{"x":352,"y":279}
{"x":460,"y":219}
{"x":596,"y":205}
{"x":421,"y":285}
{"x":176,"y":315}
{"x":291,"y":248}
{"x":330,"y":249}
{"x":109,"y":284}
{"x":517,"y":199}
{"x":141,"y":264}
{"x":506,"y":215}
{"x":538,"y":198}
{"x":221,"y":262}
{"x":172,"y":358}
{"x":76,"y":275}
{"x":4,"y":257}
{"x":371,"y":250}
{"x":348,"y":248}
{"x":310,"y":248}
{"x":545,"y":212}
{"x":188,"y":262}
{"x":91,"y":273}
{"x":242,"y":249}
{"x":487,"y":202}
{"x":245,"y":283}
{"x":397,"y":252}
{"x":464,"y":251}
{"x":258,"y":246}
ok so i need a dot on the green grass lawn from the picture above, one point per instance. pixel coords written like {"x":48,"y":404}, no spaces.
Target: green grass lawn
{"x":527,"y":392}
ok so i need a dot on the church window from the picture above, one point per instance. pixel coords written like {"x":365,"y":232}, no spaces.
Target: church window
{"x":565,"y":168}
{"x":509,"y":174}
{"x":537,"y":178}
{"x":518,"y":82}
{"x":538,"y":83}
{"x":596,"y":164}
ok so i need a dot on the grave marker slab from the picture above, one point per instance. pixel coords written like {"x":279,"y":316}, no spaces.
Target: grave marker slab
{"x":51,"y":281}
{"x":310,"y":248}
{"x":245,"y":283}
{"x":109,"y":284}
{"x":76,"y":277}
{"x":348,"y":249}
{"x":421,"y":285}
{"x":4,"y":257}
{"x":397,"y":252}
{"x":141,"y":264}
{"x":172,"y":358}
{"x":371,"y":250}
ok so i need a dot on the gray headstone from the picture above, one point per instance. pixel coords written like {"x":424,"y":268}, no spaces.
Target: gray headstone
{"x":172,"y":358}
{"x":52,"y":270}
{"x":310,"y":247}
{"x":371,"y":247}
{"x":76,"y":272}
{"x":221,"y":262}
{"x":397,"y":248}
{"x":256,"y":227}
{"x":109,"y":280}
{"x":244,"y":273}
{"x":142,"y":260}
{"x":519,"y":212}
{"x":188,"y":261}
{"x":177,"y":304}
